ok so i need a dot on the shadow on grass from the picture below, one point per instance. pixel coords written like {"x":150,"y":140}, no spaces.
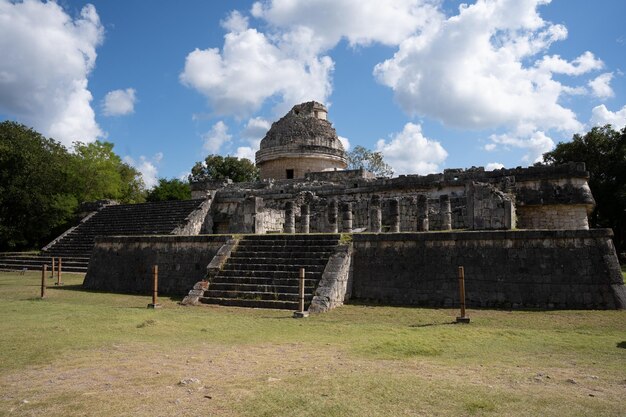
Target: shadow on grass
{"x":621,"y":345}
{"x":447,"y":323}
{"x":80,"y":288}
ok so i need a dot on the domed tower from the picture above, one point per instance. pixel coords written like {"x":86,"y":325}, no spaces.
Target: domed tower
{"x":300,"y":142}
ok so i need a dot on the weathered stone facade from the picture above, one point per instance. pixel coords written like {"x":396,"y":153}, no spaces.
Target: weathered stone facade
{"x":542,"y":197}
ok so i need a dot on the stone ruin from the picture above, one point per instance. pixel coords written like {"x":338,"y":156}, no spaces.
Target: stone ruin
{"x":521,"y":234}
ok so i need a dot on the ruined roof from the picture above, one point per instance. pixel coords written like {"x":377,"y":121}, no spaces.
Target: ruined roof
{"x":304,"y":126}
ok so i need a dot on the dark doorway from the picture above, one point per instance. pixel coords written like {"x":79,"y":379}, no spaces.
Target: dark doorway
{"x":290,"y":174}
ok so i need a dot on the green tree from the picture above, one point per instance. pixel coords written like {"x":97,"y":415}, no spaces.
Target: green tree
{"x":361,"y":157}
{"x":603,"y":150}
{"x":99,"y":173}
{"x":168,"y":190}
{"x":217,"y":167}
{"x":36,"y":199}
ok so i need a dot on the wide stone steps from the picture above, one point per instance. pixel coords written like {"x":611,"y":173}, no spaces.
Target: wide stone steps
{"x":263,"y":271}
{"x":123,"y":220}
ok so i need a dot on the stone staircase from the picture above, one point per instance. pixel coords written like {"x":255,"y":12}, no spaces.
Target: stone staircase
{"x":121,"y":220}
{"x":263,"y":271}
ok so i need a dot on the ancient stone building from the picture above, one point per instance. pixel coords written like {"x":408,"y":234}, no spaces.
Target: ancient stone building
{"x":521,"y":234}
{"x":302,"y":141}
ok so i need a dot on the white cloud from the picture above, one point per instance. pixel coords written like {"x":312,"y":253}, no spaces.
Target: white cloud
{"x":601,"y":85}
{"x":147,"y":167}
{"x":490,"y":147}
{"x":581,"y":65}
{"x":119,"y":102}
{"x":492,"y":166}
{"x":46,"y":59}
{"x":361,"y":22}
{"x":246,"y":152}
{"x":601,"y":116}
{"x":256,"y":129}
{"x":216,"y":137}
{"x":536,"y":144}
{"x":476,"y":70}
{"x":235,"y":22}
{"x":345,"y":142}
{"x":251,"y":68}
{"x":409,"y":152}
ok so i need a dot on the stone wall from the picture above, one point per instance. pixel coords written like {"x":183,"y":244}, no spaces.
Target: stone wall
{"x":565,"y":217}
{"x":124,"y":263}
{"x":506,"y":269}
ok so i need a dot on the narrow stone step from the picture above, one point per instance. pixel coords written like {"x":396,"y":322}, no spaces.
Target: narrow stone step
{"x":276,"y":275}
{"x":264,"y":280}
{"x":286,"y":255}
{"x":255,"y":295}
{"x":230,"y":266}
{"x":262,"y":288}
{"x":237,"y":302}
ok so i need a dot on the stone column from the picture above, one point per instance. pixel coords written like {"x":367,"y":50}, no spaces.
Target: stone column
{"x":394,"y":208}
{"x":347,"y":217}
{"x":304,"y":218}
{"x":422,"y":213}
{"x":375,"y":214}
{"x":446,"y":212}
{"x":290,"y":218}
{"x":332,"y":216}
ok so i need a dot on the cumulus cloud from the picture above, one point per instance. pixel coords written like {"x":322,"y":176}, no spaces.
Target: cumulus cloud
{"x":535,"y":143}
{"x":345,"y":142}
{"x":147,"y":167}
{"x":477,"y":70}
{"x":601,"y":85}
{"x":361,"y":22}
{"x":246,"y":152}
{"x":119,"y":102}
{"x":492,"y":166}
{"x":601,"y":116}
{"x":251,"y":68}
{"x":216,"y":137}
{"x":410,"y":152}
{"x":46,"y":59}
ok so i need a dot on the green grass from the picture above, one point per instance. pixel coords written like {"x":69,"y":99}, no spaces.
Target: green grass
{"x":88,"y":353}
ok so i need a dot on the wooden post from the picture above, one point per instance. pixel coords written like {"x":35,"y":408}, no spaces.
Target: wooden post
{"x":155,"y":287}
{"x":52,"y":270}
{"x":58,"y":272}
{"x":44,"y":268}
{"x":301,"y":313}
{"x":462,"y":318}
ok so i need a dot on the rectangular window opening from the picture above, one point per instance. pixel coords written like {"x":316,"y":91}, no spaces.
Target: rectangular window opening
{"x":290,"y":174}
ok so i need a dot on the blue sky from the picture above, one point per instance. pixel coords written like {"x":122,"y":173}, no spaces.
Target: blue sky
{"x":430,"y":84}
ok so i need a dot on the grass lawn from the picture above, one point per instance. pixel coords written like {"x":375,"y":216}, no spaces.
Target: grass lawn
{"x":79,"y":353}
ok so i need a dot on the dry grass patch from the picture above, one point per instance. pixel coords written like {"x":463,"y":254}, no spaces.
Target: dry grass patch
{"x":95,"y":354}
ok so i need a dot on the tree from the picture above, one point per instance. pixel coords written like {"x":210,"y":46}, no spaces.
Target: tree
{"x":217,"y":167}
{"x":603,"y":150}
{"x":99,"y":173}
{"x":36,"y":199}
{"x":373,"y":162}
{"x":42,"y":184}
{"x":168,"y":190}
